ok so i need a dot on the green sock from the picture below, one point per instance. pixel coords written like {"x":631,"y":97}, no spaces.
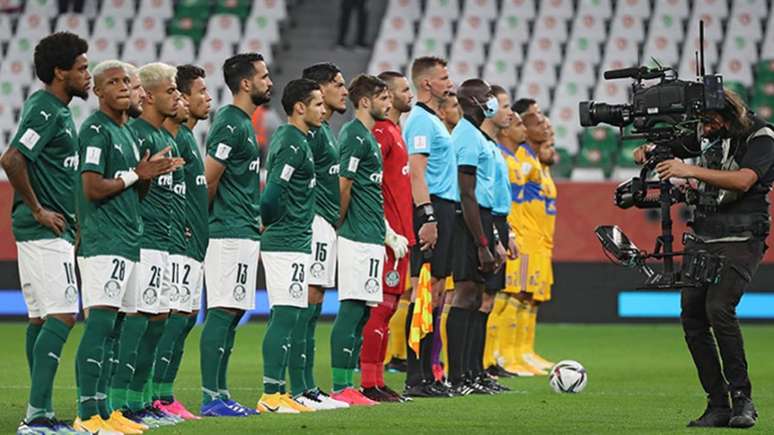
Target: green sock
{"x":211,"y":345}
{"x":298,"y":348}
{"x":276,"y":347}
{"x":359,"y":338}
{"x":33,"y":329}
{"x":132,"y":331}
{"x":228,"y":348}
{"x":147,"y":390}
{"x":165,"y":352}
{"x":142,"y":370}
{"x":344,"y":340}
{"x":90,"y":357}
{"x":47,"y":352}
{"x":167,"y":387}
{"x":102,"y":385}
{"x":310,"y":346}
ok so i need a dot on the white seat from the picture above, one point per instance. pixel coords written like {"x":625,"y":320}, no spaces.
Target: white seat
{"x":399,"y":28}
{"x":11,"y":85}
{"x":150,"y":28}
{"x":254,"y":44}
{"x":514,"y":27}
{"x":565,"y":137}
{"x":557,"y":8}
{"x":755,"y":7}
{"x":48,"y":8}
{"x":215,"y":48}
{"x":429,"y":46}
{"x":447,"y":8}
{"x":740,"y":46}
{"x":587,"y":174}
{"x":583,"y":48}
{"x":713,"y":29}
{"x":667,"y":25}
{"x":20,"y":48}
{"x":263,"y":26}
{"x":638,"y":8}
{"x":540,"y":71}
{"x":621,"y":173}
{"x":72,"y":23}
{"x":590,"y":27}
{"x":545,"y":49}
{"x":410,"y":10}
{"x":436,"y":26}
{"x":661,"y":48}
{"x":506,"y":48}
{"x":627,"y":26}
{"x":481,"y":8}
{"x":139,"y":50}
{"x":377,"y":65}
{"x":156,"y":8}
{"x":717,"y":8}
{"x":214,"y":80}
{"x":569,"y":89}
{"x":276,"y":9}
{"x":564,"y":118}
{"x":745,"y":24}
{"x":621,"y":49}
{"x":7,"y":122}
{"x":676,"y":8}
{"x":461,"y":69}
{"x":390,"y":48}
{"x":500,"y":72}
{"x":691,"y":46}
{"x":580,"y":71}
{"x":5,"y":28}
{"x":82,"y":109}
{"x":529,"y":88}
{"x":612,"y":91}
{"x":551,"y":26}
{"x":768,"y":38}
{"x":118,"y":8}
{"x":111,"y":27}
{"x":687,"y":69}
{"x":736,"y":67}
{"x":598,"y":8}
{"x":470,"y":50}
{"x":521,"y":8}
{"x":474,"y":27}
{"x":102,"y":48}
{"x":33,"y":26}
{"x":226,"y":27}
{"x":177,"y":50}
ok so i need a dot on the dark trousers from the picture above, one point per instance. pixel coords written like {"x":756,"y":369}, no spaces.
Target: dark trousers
{"x":347,"y":7}
{"x":710,"y":323}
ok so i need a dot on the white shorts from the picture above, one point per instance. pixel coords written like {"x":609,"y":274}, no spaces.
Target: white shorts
{"x":322,"y":271}
{"x":184,"y":277}
{"x":153,"y":276}
{"x":196,"y":289}
{"x":47,"y":275}
{"x":111,"y":281}
{"x":360,"y":271}
{"x":230,"y":271}
{"x":286,"y":278}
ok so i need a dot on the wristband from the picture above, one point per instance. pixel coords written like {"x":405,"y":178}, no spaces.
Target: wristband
{"x":129,"y":178}
{"x":426,"y":211}
{"x":483,"y":242}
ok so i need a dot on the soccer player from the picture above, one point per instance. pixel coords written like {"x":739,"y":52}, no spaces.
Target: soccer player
{"x":475,"y":243}
{"x":433,"y":172}
{"x":361,"y":231}
{"x":449,"y":111}
{"x":322,"y":269}
{"x":523,"y":106}
{"x":287,"y":211}
{"x":232,"y":169}
{"x":186,"y":260}
{"x":114,"y":175}
{"x":398,"y":210}
{"x":42,"y":163}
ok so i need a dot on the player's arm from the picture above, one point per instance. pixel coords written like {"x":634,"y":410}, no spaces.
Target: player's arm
{"x":345,"y":196}
{"x":283,"y":166}
{"x":470,"y":212}
{"x":428,"y":231}
{"x":349,"y":163}
{"x":220,"y":148}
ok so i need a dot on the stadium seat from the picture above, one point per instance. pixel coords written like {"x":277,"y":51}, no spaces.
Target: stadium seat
{"x":620,"y":49}
{"x":7,"y":122}
{"x":550,"y":26}
{"x":257,"y":45}
{"x":240,"y":8}
{"x":118,"y":8}
{"x":677,"y":8}
{"x":713,"y":28}
{"x":263,"y":26}
{"x":429,"y":47}
{"x":226,"y":27}
{"x":474,"y":27}
{"x":449,"y":9}
{"x":33,"y":26}
{"x":139,"y":50}
{"x":461,"y":69}
{"x":755,"y":7}
{"x":612,"y":91}
{"x":177,"y":50}
{"x":112,"y":27}
{"x":601,"y":9}
{"x":470,"y":50}
{"x":524,"y":9}
{"x":739,"y":88}
{"x":579,"y":71}
{"x":276,"y":9}
{"x":742,"y":47}
{"x":688,"y":59}
{"x":538,"y":70}
{"x":571,"y":89}
{"x":82,"y":109}
{"x":557,"y":8}
{"x":20,"y":48}
{"x":399,"y":28}
{"x":583,"y":48}
{"x":410,"y":10}
{"x":486,"y":9}
{"x":48,"y":8}
{"x":156,"y":8}
{"x":530,"y":88}
{"x":564,"y":117}
{"x":637,"y":8}
{"x":102,"y":48}
{"x":501,"y":72}
{"x":745,"y":24}
{"x":193,"y":28}
{"x":545,"y":49}
{"x":436,"y":26}
{"x":214,"y":80}
{"x":512,"y":26}
{"x":627,"y":26}
{"x":661,"y":48}
{"x":588,"y":26}
{"x":72,"y":23}
{"x":506,"y":48}
{"x":5,"y":28}
{"x":150,"y":28}
{"x":667,"y":25}
{"x":199,"y":9}
{"x":716,"y":8}
{"x":214,"y":48}
{"x":563,"y":165}
{"x":736,"y":67}
{"x":376,"y":65}
{"x":11,"y":88}
{"x":566,"y":137}
{"x":598,"y":148}
{"x":392,"y":49}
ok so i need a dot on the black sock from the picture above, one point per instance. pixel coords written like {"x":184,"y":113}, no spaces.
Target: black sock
{"x":413,"y":367}
{"x":481,"y":342}
{"x":456,"y":337}
{"x":471,"y":340}
{"x":426,"y":353}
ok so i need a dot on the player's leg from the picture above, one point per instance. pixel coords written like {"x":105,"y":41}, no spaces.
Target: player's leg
{"x":543,"y":296}
{"x":395,"y":358}
{"x":375,"y":335}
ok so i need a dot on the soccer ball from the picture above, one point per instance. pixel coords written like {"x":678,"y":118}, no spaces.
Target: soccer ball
{"x":568,"y":376}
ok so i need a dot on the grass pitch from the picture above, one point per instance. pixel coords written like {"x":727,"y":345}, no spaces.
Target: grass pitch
{"x":641,"y":380}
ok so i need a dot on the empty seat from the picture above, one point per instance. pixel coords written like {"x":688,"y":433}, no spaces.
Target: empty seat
{"x":717,"y":8}
{"x":392,"y":49}
{"x":741,"y":47}
{"x":263,"y":26}
{"x":118,"y":8}
{"x":486,"y":9}
{"x":102,"y":48}
{"x":579,"y":71}
{"x":474,"y":27}
{"x":5,"y":28}
{"x":755,"y":7}
{"x":240,"y":8}
{"x":638,"y":8}
{"x":598,"y":8}
{"x":713,"y":29}
{"x":72,"y":23}
{"x":429,"y":47}
{"x":545,"y":49}
{"x":621,"y":49}
{"x":446,"y":8}
{"x":530,"y":88}
{"x":676,"y":8}
{"x":627,"y":26}
{"x":47,"y":8}
{"x":584,"y":49}
{"x":564,"y":117}
{"x":506,"y":48}
{"x":571,"y":89}
{"x":500,"y":72}
{"x":226,"y":27}
{"x":215,"y":82}
{"x":662,"y":49}
{"x":512,"y":26}
{"x":745,"y":24}
{"x":399,"y":28}
{"x":437,"y":27}
{"x":612,"y":91}
{"x":111,"y":27}
{"x":461,"y":69}
{"x":736,"y":67}
{"x":33,"y":26}
{"x":177,"y":50}
{"x":667,"y":25}
{"x":590,"y":27}
{"x":215,"y":48}
{"x":139,"y":50}
{"x":557,"y":8}
{"x":520,"y":8}
{"x":377,"y":65}
{"x":156,"y":8}
{"x":410,"y":10}
{"x":255,"y":44}
{"x":551,"y":26}
{"x":539,"y":71}
{"x":470,"y":50}
{"x":276,"y":9}
{"x":20,"y":48}
{"x":150,"y":28}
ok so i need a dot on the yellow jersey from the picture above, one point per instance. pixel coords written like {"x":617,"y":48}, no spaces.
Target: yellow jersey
{"x":530,"y":204}
{"x":548,"y":218}
{"x":517,"y":182}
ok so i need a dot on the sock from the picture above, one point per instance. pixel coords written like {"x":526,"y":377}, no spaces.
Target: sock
{"x":414,"y":374}
{"x":507,"y":335}
{"x":479,"y":338}
{"x":227,"y":350}
{"x":491,"y":343}
{"x":354,"y":362}
{"x":310,"y":347}
{"x":344,"y":341}
{"x":164,"y":354}
{"x":46,"y":353}
{"x":522,"y":329}
{"x":276,"y":347}
{"x":298,"y":348}
{"x":529,"y":341}
{"x":166,"y":393}
{"x":146,"y":353}
{"x":456,"y":332}
{"x":104,"y":376}
{"x":444,"y":337}
{"x":470,"y":344}
{"x":374,"y":342}
{"x":397,"y":341}
{"x":132,"y":331}
{"x":426,"y":352}
{"x":435,"y":355}
{"x":211,"y":345}
{"x":33,"y":329}
{"x":89,"y":359}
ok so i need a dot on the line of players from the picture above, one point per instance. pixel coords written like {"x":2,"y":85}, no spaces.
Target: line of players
{"x":149,"y":220}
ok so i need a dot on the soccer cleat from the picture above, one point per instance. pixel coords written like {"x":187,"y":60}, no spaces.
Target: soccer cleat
{"x":219,"y":408}
{"x":461,"y":389}
{"x":743,"y":413}
{"x":428,"y":390}
{"x":239,"y":407}
{"x":377,"y":395}
{"x":119,"y":415}
{"x":161,"y":415}
{"x":499,"y":372}
{"x":176,"y":408}
{"x":353,"y":397}
{"x":537,"y":361}
{"x":712,"y":417}
{"x":63,"y":428}
{"x":313,"y":403}
{"x":118,"y":424}
{"x":276,"y":403}
{"x":323,"y":397}
{"x":393,"y":393}
{"x":139,"y":418}
{"x":37,"y":426}
{"x":396,"y":365}
{"x":95,"y":425}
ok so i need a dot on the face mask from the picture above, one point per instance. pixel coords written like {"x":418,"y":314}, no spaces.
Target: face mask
{"x":490,"y":108}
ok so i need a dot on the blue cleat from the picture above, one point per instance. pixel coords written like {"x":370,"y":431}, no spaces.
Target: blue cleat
{"x":239,"y":407}
{"x":219,"y":408}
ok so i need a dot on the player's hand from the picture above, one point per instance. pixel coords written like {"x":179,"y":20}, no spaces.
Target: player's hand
{"x":674,"y":168}
{"x":397,"y":243}
{"x":486,"y":260}
{"x":513,"y":250}
{"x":501,"y":256}
{"x":50,"y":219}
{"x":178,"y":161}
{"x":428,"y":235}
{"x":640,"y":153}
{"x":153,"y":166}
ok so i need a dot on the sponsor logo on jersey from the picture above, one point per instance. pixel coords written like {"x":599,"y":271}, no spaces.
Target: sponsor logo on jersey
{"x":230,"y":128}
{"x":296,"y":290}
{"x":360,"y":139}
{"x":150,"y":296}
{"x":405,"y":170}
{"x":165,"y":180}
{"x":255,"y":165}
{"x":185,"y":294}
{"x":68,"y":131}
{"x":239,"y":292}
{"x":376,"y":177}
{"x":112,"y":288}
{"x":392,"y":278}
{"x":201,"y":180}
{"x":71,"y":162}
{"x":372,"y":286}
{"x":96,"y":127}
{"x":179,"y":189}
{"x":333,"y":170}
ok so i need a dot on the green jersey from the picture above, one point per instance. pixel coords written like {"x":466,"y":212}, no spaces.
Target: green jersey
{"x":112,"y":226}
{"x":196,"y":194}
{"x":156,"y":206}
{"x":361,"y":162}
{"x":326,"y":168}
{"x":178,"y":242}
{"x":48,"y":139}
{"x":291,"y":164}
{"x":236,"y":208}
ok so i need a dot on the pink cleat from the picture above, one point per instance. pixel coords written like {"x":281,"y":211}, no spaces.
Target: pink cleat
{"x":176,"y":408}
{"x":353,"y":397}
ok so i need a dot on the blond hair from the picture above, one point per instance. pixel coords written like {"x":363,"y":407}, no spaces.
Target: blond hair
{"x":153,"y":74}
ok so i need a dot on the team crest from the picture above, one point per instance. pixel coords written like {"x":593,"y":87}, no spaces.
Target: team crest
{"x":317,"y":270}
{"x":239,"y":293}
{"x":185,"y":294}
{"x":112,"y":288}
{"x":392,"y":278}
{"x":71,"y":294}
{"x":371,"y":286}
{"x":296,"y":290}
{"x":150,"y":296}
{"x":174,"y":294}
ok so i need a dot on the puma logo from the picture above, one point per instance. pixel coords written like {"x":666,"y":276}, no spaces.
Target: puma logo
{"x":69,"y":132}
{"x":141,"y":141}
{"x":294,"y":148}
{"x":45,"y":115}
{"x":379,"y":333}
{"x":230,"y":128}
{"x":130,"y":367}
{"x":360,"y":139}
{"x":93,"y":361}
{"x":95,"y":127}
{"x":221,"y":350}
{"x":349,"y":351}
{"x":379,"y":130}
{"x":53,"y":355}
{"x":165,"y":359}
{"x":118,"y":147}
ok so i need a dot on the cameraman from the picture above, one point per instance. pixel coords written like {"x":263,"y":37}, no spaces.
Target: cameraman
{"x":735,"y":227}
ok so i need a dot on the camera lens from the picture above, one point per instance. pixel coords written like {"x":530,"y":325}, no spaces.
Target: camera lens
{"x":595,"y":112}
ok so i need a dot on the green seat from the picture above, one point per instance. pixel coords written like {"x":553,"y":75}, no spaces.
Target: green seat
{"x":764,"y":70}
{"x":763,"y":106}
{"x":599,"y":145}
{"x":563,"y":166}
{"x":187,"y":26}
{"x":738,"y":88}
{"x":240,"y":8}
{"x":199,"y":9}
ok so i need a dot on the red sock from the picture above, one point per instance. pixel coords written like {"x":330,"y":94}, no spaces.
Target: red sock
{"x":374,"y":342}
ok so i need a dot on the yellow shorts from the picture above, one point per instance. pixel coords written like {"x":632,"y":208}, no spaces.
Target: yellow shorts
{"x":543,"y":293}
{"x":512,"y":276}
